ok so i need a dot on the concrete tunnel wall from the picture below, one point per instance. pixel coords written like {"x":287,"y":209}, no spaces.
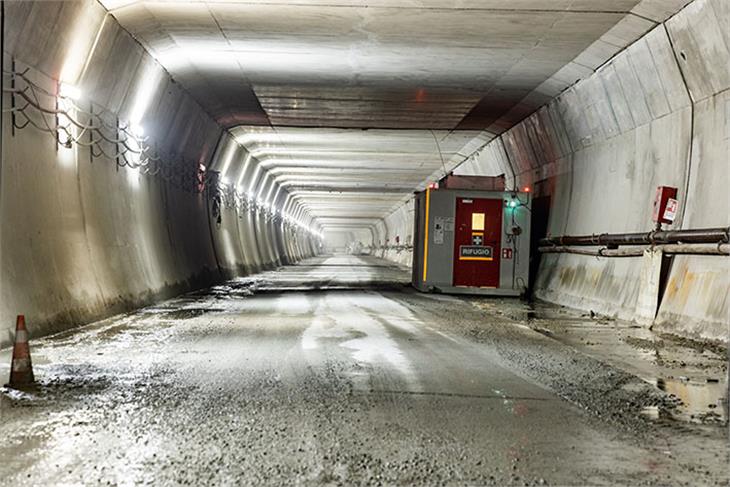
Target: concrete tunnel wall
{"x":83,"y":239}
{"x":246,"y":239}
{"x":397,"y":225}
{"x":656,"y":114}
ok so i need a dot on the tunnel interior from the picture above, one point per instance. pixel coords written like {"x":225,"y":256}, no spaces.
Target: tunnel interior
{"x":151,"y":147}
{"x":200,"y":150}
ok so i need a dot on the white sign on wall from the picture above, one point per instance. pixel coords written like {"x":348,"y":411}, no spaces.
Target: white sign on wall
{"x":438,"y":230}
{"x":670,"y":212}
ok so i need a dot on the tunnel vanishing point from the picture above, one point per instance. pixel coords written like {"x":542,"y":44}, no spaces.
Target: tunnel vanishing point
{"x":364,"y":242}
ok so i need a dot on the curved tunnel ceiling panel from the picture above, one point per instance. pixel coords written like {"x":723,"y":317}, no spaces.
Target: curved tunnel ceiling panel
{"x":377,"y":64}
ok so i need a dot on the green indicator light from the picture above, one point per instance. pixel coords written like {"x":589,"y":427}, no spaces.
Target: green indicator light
{"x":512,"y":204}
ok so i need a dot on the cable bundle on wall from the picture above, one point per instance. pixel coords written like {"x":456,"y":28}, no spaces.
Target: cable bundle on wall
{"x":98,"y":129}
{"x":226,"y":196}
{"x":101,"y":131}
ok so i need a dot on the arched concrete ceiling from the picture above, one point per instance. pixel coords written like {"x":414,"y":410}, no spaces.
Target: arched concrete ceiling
{"x":297,"y":80}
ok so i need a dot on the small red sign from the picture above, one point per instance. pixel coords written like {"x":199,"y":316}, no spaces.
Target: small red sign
{"x":506,"y":253}
{"x":661,"y":198}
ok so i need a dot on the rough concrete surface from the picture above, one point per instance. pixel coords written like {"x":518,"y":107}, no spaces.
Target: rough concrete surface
{"x":82,"y":238}
{"x":337,"y":387}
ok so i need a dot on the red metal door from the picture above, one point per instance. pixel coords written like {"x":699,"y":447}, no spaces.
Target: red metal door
{"x":477,"y":242}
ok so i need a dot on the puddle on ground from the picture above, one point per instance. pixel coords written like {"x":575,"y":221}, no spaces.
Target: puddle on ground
{"x":703,"y":401}
{"x":234,"y":289}
{"x":188,"y":313}
{"x":693,"y":372}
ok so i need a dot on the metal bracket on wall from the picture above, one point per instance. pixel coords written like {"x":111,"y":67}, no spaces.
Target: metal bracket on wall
{"x":116,"y":145}
{"x":91,"y":133}
{"x":13,"y":120}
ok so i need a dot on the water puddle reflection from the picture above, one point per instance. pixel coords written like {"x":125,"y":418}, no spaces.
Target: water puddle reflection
{"x":693,"y":372}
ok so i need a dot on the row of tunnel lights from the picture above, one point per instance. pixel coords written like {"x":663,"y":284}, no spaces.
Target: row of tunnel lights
{"x":259,"y":204}
{"x":70,"y":92}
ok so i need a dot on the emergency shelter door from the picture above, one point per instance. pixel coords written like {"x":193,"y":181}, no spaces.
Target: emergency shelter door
{"x":477,"y":242}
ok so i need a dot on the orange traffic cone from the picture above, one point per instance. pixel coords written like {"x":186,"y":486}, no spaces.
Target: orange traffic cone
{"x":21,"y":370}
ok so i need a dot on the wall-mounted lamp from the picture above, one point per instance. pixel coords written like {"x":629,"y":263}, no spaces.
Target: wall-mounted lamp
{"x":66,"y":90}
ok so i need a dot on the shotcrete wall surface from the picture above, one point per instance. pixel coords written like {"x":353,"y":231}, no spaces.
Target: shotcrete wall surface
{"x":396,"y":226}
{"x":656,"y":114}
{"x":82,"y":238}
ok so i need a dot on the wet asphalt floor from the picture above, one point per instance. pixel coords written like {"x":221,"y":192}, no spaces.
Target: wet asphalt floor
{"x":335,"y":373}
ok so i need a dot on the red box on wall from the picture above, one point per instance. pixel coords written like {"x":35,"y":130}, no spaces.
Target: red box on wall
{"x":661,"y":198}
